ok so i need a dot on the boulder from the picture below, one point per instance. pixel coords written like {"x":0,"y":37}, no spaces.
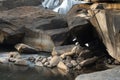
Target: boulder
{"x":111,"y":74}
{"x":41,"y":19}
{"x":10,"y":4}
{"x":23,"y":48}
{"x":9,"y":33}
{"x":106,"y":23}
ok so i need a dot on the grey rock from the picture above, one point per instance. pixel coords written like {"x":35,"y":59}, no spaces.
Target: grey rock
{"x":38,"y":64}
{"x":12,"y":60}
{"x":21,"y":62}
{"x":44,"y":60}
{"x":111,"y":74}
{"x":32,"y":59}
{"x":68,"y":58}
{"x":69,"y":65}
{"x":39,"y":58}
{"x":10,"y":4}
{"x":42,"y":33}
{"x":73,"y":62}
{"x":15,"y":55}
{"x":78,"y":67}
{"x":4,"y":60}
{"x":49,"y":58}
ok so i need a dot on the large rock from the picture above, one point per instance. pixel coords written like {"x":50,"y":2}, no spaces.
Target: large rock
{"x":10,"y":4}
{"x":59,"y":36}
{"x":38,"y":39}
{"x":111,"y":74}
{"x":38,"y":18}
{"x":9,"y":33}
{"x":107,"y":24}
{"x":23,"y":48}
{"x":105,"y":6}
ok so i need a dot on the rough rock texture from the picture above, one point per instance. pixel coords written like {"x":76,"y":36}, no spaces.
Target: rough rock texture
{"x":10,"y":4}
{"x":21,"y":62}
{"x":15,"y":55}
{"x":111,"y":74}
{"x":23,"y":48}
{"x":9,"y":33}
{"x":106,"y":23}
{"x":45,"y":21}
